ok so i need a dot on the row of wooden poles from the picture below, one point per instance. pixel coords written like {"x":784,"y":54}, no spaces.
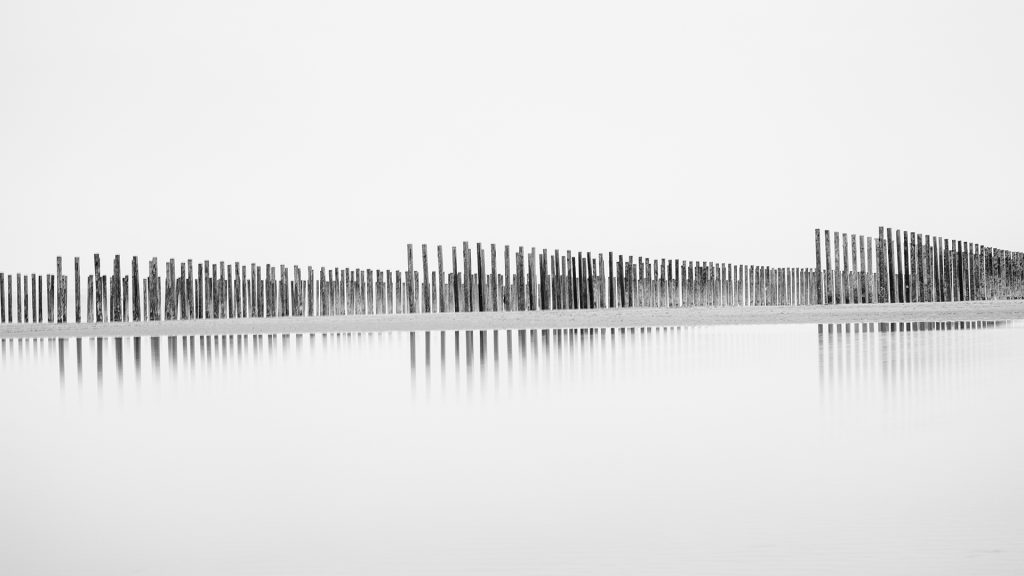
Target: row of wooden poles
{"x":553,"y":280}
{"x":911,"y":267}
{"x":531,"y":281}
{"x":905,"y":267}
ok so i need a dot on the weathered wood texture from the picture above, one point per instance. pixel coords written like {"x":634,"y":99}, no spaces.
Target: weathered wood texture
{"x":848,"y":269}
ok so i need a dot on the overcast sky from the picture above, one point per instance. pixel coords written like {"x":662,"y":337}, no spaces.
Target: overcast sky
{"x":334,"y":133}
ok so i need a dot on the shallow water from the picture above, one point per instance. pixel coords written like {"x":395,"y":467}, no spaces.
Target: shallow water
{"x":852,"y":449}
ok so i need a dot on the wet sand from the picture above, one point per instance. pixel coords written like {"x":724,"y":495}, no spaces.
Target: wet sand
{"x":605,"y":318}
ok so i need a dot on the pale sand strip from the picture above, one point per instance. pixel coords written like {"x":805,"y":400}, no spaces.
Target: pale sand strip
{"x":606,"y":318}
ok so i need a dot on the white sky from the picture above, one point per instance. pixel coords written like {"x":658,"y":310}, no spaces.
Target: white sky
{"x":334,"y":133}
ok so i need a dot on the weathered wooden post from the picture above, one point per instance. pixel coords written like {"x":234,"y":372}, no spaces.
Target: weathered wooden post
{"x":494,"y":278}
{"x":425,"y":289}
{"x":922,"y":269}
{"x":309,"y":296}
{"x":588,"y":288}
{"x":442,"y":288}
{"x":96,"y":279}
{"x":817,"y":263}
{"x":543,"y":279}
{"x":20,"y":308}
{"x":928,"y":268}
{"x":911,"y":264}
{"x":905,"y":267}
{"x":456,"y":285}
{"x":533,"y":279}
{"x":124,"y":298}
{"x":168,"y":301}
{"x":135,"y":289}
{"x":467,"y":285}
{"x":948,"y":269}
{"x":863,"y":280}
{"x":90,"y":303}
{"x":61,"y":297}
{"x":115,"y":291}
{"x":507,"y":298}
{"x":890,"y":263}
{"x":839,"y":283}
{"x":520,"y":290}
{"x":855,"y":292}
{"x":899,"y":277}
{"x":49,"y":299}
{"x":829,"y":293}
{"x":481,"y":279}
{"x":958,"y":262}
{"x":847,"y":296}
{"x":33,"y":315}
{"x":871,"y":290}
{"x":262,"y":300}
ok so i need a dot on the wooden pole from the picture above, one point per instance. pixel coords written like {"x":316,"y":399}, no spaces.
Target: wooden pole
{"x":115,"y":291}
{"x":442,"y":300}
{"x":905,"y":282}
{"x":829,"y":289}
{"x":872,"y":277}
{"x":817,"y":263}
{"x":426,"y":281}
{"x":924,"y":248}
{"x":61,"y":294}
{"x":467,"y":285}
{"x":456,"y":286}
{"x":899,"y":277}
{"x":840,"y":296}
{"x":507,"y":299}
{"x":494,"y":278}
{"x":136,"y":300}
{"x":481,"y":278}
{"x":90,"y":303}
{"x":409,"y":277}
{"x":890,"y":261}
{"x":99,"y":303}
{"x":847,"y":295}
{"x":49,"y":298}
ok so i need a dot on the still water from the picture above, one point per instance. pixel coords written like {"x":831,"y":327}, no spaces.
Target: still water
{"x":843,"y":449}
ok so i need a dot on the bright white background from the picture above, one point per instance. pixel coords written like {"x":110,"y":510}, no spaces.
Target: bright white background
{"x":334,"y":133}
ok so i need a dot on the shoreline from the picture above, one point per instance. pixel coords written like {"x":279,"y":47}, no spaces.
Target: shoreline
{"x":998,"y":310}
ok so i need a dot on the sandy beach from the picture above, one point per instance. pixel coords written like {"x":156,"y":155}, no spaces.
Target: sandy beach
{"x":552,"y":319}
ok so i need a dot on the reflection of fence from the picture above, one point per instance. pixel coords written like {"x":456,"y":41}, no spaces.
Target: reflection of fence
{"x":895,"y":362}
{"x":910,"y":267}
{"x":907,"y":267}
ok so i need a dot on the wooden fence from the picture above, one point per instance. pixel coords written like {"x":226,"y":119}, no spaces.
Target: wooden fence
{"x":910,"y":267}
{"x":849,"y":268}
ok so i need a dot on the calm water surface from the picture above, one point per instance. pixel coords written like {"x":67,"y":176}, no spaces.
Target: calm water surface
{"x":844,"y":449}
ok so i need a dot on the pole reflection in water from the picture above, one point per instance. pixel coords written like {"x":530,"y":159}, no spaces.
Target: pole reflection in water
{"x":119,"y":360}
{"x":896,"y":362}
{"x":412,"y":358}
{"x":137,"y":356}
{"x":899,"y":366}
{"x":60,"y":348}
{"x":903,"y":367}
{"x":78,"y":358}
{"x":154,"y":355}
{"x":99,"y":362}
